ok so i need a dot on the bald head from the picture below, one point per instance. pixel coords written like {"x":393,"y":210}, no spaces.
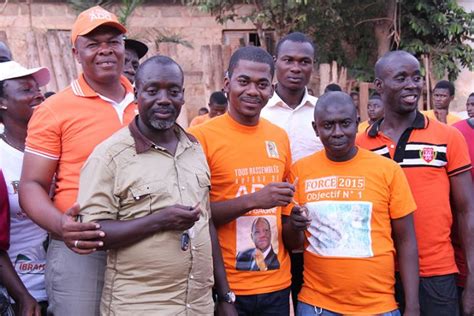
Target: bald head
{"x":5,"y":53}
{"x":399,"y":82}
{"x":391,"y":59}
{"x":335,"y":122}
{"x":332,"y":100}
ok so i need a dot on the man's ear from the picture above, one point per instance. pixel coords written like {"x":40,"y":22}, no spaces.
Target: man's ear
{"x":273,"y":90}
{"x":313,"y":123}
{"x":226,"y":84}
{"x":75,"y":53}
{"x":3,"y":105}
{"x":378,"y":83}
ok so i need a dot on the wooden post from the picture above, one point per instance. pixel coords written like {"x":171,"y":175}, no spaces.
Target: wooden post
{"x":363,"y":100}
{"x":69,"y":62}
{"x":45,"y":59}
{"x":324,"y":75}
{"x":426,"y":63}
{"x":334,"y":78}
{"x":57,"y":60}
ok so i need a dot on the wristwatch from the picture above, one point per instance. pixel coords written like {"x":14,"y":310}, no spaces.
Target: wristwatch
{"x":228,"y":297}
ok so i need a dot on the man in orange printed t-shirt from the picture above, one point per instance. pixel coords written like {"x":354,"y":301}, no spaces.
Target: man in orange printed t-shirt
{"x":349,"y":202}
{"x":249,"y":159}
{"x":435,"y":160}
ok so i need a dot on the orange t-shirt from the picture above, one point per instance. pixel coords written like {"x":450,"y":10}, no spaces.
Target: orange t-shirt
{"x":429,"y":152}
{"x":199,"y":119}
{"x":363,"y":126}
{"x":242,"y":160}
{"x":68,"y":126}
{"x":450,"y":118}
{"x":349,"y":251}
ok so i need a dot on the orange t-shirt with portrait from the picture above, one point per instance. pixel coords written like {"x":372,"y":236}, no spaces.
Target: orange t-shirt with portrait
{"x":349,"y":252}
{"x":242,"y":160}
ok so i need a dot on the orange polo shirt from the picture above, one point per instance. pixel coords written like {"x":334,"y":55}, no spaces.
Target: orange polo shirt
{"x":429,"y":152}
{"x":68,"y":126}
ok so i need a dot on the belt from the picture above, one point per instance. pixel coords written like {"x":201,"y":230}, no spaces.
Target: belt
{"x":55,"y":237}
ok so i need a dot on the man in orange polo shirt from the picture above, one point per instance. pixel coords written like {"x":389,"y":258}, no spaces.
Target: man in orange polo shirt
{"x":435,"y":159}
{"x":61,"y":134}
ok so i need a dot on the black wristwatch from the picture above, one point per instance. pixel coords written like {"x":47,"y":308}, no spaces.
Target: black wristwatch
{"x":228,"y":297}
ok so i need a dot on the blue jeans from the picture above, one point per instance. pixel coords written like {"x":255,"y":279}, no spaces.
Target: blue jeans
{"x":275,"y":304}
{"x":304,"y":309}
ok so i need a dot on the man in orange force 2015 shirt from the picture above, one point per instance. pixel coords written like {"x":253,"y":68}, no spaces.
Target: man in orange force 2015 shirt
{"x":249,"y":159}
{"x":348,"y":200}
{"x":61,"y":134}
{"x":435,"y":159}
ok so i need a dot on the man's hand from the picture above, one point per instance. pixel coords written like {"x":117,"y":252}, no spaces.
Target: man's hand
{"x":274,"y":194}
{"x":82,"y":238}
{"x":299,"y":218}
{"x":468,"y":298}
{"x":178,"y":217}
{"x":29,"y":306}
{"x":225,"y":309}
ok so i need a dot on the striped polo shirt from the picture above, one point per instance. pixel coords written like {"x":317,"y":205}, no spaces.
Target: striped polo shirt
{"x":429,"y":153}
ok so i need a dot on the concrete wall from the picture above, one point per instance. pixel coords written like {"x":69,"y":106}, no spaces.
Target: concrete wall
{"x":146,"y":23}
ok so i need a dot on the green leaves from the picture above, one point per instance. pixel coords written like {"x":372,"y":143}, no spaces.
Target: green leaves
{"x":345,"y":31}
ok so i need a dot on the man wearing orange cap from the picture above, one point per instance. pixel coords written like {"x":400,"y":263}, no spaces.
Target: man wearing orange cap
{"x":62,"y":133}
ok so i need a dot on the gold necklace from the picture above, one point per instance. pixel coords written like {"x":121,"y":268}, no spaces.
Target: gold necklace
{"x":4,"y":137}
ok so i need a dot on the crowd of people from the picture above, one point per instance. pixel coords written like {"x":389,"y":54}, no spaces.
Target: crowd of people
{"x":273,"y":202}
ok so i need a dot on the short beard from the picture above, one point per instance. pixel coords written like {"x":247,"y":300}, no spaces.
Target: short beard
{"x":162,"y":124}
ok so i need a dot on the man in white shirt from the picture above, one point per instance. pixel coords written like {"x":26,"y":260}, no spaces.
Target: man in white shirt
{"x":291,"y":106}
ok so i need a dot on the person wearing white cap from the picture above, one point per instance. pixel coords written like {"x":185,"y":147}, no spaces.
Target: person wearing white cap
{"x":19,"y":95}
{"x":61,"y":135}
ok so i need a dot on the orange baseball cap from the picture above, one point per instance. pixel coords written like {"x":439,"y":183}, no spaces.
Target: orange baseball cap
{"x":92,"y":18}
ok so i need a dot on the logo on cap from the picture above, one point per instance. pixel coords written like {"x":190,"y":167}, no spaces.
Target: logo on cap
{"x":100,"y":14}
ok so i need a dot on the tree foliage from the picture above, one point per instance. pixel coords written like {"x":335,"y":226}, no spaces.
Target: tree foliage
{"x":355,"y":33}
{"x":125,"y":8}
{"x":279,"y":15}
{"x":441,"y":30}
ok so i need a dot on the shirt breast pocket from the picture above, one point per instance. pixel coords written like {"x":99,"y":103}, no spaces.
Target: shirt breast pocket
{"x":204,"y":186}
{"x":143,"y":199}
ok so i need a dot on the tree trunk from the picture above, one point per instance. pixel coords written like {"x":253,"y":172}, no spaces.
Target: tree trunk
{"x":384,"y":29}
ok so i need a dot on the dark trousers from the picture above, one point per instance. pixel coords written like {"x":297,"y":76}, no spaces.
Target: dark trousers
{"x":296,"y":276}
{"x":438,"y":295}
{"x":274,"y":303}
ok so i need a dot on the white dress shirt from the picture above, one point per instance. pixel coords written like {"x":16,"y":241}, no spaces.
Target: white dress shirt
{"x":296,"y":122}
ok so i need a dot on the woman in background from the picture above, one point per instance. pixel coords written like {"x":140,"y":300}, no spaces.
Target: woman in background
{"x":19,"y":95}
